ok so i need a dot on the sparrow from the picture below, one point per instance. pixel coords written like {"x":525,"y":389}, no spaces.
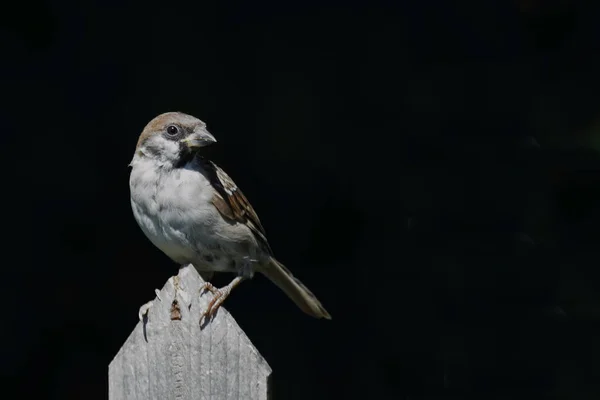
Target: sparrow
{"x":191,"y":210}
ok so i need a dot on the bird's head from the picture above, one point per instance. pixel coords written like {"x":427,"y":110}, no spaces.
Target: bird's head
{"x":172,"y":138}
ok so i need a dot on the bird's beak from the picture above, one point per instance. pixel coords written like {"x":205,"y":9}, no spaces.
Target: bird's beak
{"x":200,"y":138}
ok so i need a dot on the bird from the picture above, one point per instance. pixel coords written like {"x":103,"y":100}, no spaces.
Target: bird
{"x":192,"y":211}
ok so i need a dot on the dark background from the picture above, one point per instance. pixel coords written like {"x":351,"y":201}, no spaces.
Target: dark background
{"x":429,"y":170}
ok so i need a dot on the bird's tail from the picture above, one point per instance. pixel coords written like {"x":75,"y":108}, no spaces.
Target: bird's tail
{"x":283,"y":278}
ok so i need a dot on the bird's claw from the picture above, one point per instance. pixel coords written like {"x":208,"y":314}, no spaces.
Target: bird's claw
{"x":143,"y":312}
{"x":219,"y":296}
{"x":208,"y":287}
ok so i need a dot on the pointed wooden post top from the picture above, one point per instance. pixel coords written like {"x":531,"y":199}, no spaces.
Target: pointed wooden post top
{"x":170,"y":356}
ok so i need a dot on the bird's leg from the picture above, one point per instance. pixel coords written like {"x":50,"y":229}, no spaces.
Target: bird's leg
{"x":246,"y":271}
{"x":219,"y":296}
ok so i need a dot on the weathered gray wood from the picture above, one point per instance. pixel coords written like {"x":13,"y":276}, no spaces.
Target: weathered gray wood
{"x":179,"y":359}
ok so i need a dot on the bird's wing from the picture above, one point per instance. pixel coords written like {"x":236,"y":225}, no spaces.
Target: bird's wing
{"x":232,"y":204}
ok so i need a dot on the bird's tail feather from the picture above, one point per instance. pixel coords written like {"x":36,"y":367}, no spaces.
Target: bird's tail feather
{"x":283,"y":278}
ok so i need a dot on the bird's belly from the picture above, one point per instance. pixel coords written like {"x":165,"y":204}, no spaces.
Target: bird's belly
{"x":166,"y":239}
{"x":186,"y":238}
{"x":176,"y":213}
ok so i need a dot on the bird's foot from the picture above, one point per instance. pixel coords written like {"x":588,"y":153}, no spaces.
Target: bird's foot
{"x":143,"y":312}
{"x":219,"y":296}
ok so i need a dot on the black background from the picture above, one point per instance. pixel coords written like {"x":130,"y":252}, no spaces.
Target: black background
{"x":429,"y":170}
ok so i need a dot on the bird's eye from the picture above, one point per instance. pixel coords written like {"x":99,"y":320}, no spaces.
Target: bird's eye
{"x":172,"y":130}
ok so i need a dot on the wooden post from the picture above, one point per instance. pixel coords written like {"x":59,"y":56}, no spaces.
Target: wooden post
{"x":170,"y":356}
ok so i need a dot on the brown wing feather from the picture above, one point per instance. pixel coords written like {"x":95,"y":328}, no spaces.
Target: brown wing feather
{"x":232,"y":204}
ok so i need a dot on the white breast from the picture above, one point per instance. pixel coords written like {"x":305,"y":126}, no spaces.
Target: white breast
{"x":172,"y":208}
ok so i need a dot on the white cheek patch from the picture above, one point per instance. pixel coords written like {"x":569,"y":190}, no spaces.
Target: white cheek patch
{"x":162,"y":149}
